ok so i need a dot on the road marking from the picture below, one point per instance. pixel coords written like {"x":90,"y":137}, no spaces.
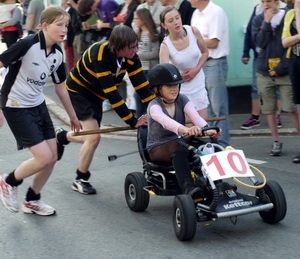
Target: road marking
{"x":255,"y":161}
{"x":49,"y":101}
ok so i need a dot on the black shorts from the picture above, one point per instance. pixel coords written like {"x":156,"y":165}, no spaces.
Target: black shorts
{"x":87,"y":107}
{"x":30,"y":126}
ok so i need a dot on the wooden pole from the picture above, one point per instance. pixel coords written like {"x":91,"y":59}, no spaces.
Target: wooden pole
{"x":109,"y":130}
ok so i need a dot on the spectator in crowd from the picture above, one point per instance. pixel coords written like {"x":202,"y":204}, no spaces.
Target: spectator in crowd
{"x":291,"y":40}
{"x":68,"y":41}
{"x":253,"y":120}
{"x":211,"y":20}
{"x":105,"y":10}
{"x":96,"y":77}
{"x":185,"y":9}
{"x":185,"y":48}
{"x":124,"y":13}
{"x":155,"y":8}
{"x":25,"y":109}
{"x":11,"y":21}
{"x":148,"y":47}
{"x":24,"y":4}
{"x":79,"y":45}
{"x":272,"y":68}
{"x":34,"y":12}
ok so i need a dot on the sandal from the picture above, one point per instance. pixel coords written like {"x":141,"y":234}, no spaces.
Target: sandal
{"x":296,"y":159}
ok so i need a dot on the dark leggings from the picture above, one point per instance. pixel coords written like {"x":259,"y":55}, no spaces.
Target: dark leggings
{"x":179,"y":156}
{"x":10,"y":37}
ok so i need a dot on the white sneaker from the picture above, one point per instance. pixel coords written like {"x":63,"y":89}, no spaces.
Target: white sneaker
{"x":8,"y":195}
{"x":37,"y":207}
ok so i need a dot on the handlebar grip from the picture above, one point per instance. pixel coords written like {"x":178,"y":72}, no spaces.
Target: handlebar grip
{"x":217,"y":129}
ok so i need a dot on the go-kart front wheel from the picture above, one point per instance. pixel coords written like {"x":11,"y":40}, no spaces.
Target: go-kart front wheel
{"x":184,"y":217}
{"x":275,"y":195}
{"x":136,"y":197}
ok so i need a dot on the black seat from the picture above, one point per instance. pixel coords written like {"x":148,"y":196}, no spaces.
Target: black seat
{"x":156,"y":166}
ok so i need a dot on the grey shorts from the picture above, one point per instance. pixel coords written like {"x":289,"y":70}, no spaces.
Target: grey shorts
{"x":30,"y":126}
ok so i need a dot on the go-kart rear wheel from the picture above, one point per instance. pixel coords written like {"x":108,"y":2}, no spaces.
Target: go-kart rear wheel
{"x":276,"y":195}
{"x":136,"y":197}
{"x":184,"y":217}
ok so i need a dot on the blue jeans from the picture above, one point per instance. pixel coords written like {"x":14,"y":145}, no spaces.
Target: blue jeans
{"x":215,"y":71}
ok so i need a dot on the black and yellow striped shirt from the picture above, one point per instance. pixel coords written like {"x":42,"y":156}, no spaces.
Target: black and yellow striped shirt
{"x":97,"y":75}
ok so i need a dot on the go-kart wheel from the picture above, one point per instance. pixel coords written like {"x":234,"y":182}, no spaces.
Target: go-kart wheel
{"x":184,"y":217}
{"x":136,"y":197}
{"x":276,"y":195}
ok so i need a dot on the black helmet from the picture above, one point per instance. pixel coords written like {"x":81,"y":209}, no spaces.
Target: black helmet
{"x":164,"y":74}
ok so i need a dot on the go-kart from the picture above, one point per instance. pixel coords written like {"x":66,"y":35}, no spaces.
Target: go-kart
{"x":218,"y":173}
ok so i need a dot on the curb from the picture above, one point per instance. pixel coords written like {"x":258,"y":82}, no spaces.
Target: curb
{"x":61,"y":114}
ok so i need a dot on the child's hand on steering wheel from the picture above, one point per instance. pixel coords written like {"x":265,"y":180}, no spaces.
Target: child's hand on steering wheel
{"x":213,"y":133}
{"x":194,"y":131}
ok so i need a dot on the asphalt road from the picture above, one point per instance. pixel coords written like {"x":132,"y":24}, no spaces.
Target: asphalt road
{"x":102,"y":226}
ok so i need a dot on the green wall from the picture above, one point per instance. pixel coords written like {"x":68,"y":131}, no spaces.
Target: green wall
{"x":238,"y":12}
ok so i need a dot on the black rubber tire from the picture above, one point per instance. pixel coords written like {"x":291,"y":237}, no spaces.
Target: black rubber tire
{"x":184,"y":217}
{"x":276,"y":195}
{"x":136,"y":197}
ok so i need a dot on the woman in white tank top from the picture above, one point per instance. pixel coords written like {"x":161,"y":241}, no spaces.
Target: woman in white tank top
{"x":185,"y":48}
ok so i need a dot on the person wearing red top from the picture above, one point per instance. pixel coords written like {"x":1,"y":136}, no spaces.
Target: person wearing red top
{"x":11,"y":28}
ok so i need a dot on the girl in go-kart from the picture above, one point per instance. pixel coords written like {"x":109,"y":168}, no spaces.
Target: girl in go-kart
{"x":166,"y":121}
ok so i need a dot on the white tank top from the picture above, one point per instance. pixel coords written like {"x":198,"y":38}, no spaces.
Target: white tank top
{"x":187,"y":58}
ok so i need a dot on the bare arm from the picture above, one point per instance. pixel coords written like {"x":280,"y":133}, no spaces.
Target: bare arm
{"x":164,"y":54}
{"x":291,"y":41}
{"x":212,"y":43}
{"x":30,"y":22}
{"x":202,"y":46}
{"x":73,"y":4}
{"x":190,"y":73}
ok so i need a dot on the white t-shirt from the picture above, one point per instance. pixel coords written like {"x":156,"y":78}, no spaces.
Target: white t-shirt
{"x":212,"y":23}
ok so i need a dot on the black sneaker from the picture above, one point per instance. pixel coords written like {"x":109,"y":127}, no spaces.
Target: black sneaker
{"x":83,"y":187}
{"x":60,"y":147}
